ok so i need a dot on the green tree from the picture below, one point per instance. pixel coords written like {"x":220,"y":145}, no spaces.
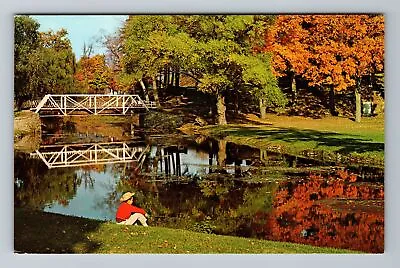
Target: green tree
{"x":227,"y":61}
{"x":26,"y":39}
{"x":43,"y":62}
{"x":217,"y":51}
{"x":56,"y":63}
{"x":143,"y":57}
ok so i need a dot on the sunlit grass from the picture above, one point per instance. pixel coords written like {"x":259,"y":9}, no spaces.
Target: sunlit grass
{"x":297,"y":135}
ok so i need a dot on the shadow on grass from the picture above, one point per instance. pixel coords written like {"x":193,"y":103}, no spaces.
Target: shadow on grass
{"x":343,"y":142}
{"x":242,"y":119}
{"x":41,"y":232}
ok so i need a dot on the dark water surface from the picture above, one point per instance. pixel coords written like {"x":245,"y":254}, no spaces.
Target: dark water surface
{"x":207,"y":186}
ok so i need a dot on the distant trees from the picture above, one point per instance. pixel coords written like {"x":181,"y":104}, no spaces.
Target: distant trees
{"x":329,"y":51}
{"x":93,"y":75}
{"x":43,"y":62}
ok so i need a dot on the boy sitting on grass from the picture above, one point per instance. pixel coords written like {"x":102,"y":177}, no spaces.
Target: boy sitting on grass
{"x":128,"y":214}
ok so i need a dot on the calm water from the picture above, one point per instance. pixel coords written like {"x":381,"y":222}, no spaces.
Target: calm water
{"x":206,"y":186}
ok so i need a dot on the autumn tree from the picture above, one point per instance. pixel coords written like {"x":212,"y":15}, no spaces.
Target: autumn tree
{"x":93,"y":75}
{"x":287,"y":40}
{"x":329,"y":51}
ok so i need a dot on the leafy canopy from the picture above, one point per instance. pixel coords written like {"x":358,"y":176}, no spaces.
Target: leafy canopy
{"x":218,"y":51}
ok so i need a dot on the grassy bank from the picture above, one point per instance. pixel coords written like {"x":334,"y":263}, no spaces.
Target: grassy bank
{"x":333,"y":137}
{"x":40,"y":232}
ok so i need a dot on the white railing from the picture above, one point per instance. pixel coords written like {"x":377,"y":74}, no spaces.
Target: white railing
{"x":68,"y":104}
{"x":70,"y":155}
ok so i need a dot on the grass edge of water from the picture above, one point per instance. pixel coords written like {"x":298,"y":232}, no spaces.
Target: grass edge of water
{"x":53,"y":233}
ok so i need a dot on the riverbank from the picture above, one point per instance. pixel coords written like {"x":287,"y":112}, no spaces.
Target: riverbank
{"x":334,"y":139}
{"x":41,"y":232}
{"x":27,"y":130}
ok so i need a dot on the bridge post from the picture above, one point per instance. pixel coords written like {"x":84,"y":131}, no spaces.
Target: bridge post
{"x":65,"y":104}
{"x":95,"y":105}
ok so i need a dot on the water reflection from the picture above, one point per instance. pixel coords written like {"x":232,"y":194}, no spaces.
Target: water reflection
{"x":211,"y":186}
{"x":36,"y":185}
{"x":81,"y":154}
{"x":332,"y":212}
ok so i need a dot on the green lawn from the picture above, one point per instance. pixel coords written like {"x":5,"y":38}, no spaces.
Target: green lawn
{"x":354,"y":142}
{"x":40,"y":232}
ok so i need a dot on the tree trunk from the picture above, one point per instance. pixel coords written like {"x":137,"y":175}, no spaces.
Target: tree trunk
{"x":236,"y":102}
{"x":178,"y":163}
{"x":358,"y":105}
{"x":221,"y":110}
{"x":20,"y":102}
{"x":144,"y":90}
{"x":294,"y":90}
{"x":263,"y":112}
{"x":172,"y":78}
{"x":155,"y":91}
{"x":166,"y":77}
{"x":263,"y":155}
{"x":332,"y":107}
{"x":177,"y":78}
{"x":160,"y":77}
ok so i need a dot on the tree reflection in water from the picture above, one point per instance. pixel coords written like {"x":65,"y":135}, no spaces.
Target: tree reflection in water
{"x":302,"y":213}
{"x":221,"y":188}
{"x":39,"y":186}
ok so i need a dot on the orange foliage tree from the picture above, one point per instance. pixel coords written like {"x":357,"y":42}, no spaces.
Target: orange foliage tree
{"x":93,"y":75}
{"x":287,"y":39}
{"x":329,"y":51}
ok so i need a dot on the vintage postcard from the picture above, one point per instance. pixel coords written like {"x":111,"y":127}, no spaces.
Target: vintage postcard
{"x":188,"y":134}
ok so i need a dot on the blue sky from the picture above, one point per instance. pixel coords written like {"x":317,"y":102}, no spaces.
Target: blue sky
{"x":82,"y":28}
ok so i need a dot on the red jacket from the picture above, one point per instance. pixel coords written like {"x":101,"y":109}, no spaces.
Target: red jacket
{"x":125,"y":211}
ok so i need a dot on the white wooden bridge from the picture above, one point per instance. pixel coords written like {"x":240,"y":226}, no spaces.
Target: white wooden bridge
{"x":98,"y":104}
{"x":72,"y":155}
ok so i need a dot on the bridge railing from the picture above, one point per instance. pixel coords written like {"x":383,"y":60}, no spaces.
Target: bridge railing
{"x":68,"y":104}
